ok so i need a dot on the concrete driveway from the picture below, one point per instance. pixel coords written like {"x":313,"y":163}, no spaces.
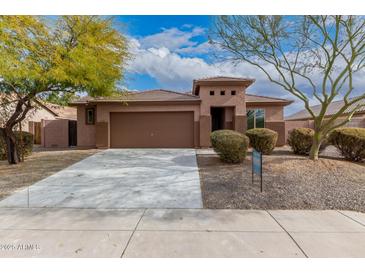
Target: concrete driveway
{"x":119,"y":178}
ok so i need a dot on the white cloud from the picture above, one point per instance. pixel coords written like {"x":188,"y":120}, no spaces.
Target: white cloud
{"x":172,"y":38}
{"x":171,"y":70}
{"x":201,"y":48}
{"x":168,"y":57}
{"x":187,"y":26}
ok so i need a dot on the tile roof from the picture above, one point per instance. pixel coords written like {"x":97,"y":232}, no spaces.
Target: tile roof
{"x":221,"y":81}
{"x":161,"y":95}
{"x":253,"y":98}
{"x":142,"y":96}
{"x":224,"y":78}
{"x":61,"y":112}
{"x":332,"y":109}
{"x":64,"y":112}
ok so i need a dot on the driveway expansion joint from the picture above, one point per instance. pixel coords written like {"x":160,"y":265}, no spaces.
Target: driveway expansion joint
{"x":291,"y":237}
{"x":352,"y":219}
{"x":135,"y":228}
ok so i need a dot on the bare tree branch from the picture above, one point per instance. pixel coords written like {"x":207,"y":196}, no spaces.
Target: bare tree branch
{"x":315,"y":55}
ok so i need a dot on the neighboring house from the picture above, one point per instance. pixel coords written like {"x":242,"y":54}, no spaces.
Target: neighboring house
{"x":52,"y":125}
{"x":303,"y":118}
{"x":60,"y":130}
{"x":162,"y":118}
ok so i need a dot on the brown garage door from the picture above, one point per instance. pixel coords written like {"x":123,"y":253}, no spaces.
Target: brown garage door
{"x":152,"y":129}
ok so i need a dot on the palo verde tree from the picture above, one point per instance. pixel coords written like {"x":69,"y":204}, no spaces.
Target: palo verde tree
{"x":309,"y":57}
{"x":40,"y":58}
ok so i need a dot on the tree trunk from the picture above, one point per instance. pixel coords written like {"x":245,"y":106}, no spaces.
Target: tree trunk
{"x":22,"y":108}
{"x":11,"y":148}
{"x":317,"y":141}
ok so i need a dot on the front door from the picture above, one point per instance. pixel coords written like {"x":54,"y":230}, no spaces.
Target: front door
{"x":72,"y":133}
{"x":217,"y":114}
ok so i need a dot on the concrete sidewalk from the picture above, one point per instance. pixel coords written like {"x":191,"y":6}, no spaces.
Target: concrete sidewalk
{"x":42,"y":232}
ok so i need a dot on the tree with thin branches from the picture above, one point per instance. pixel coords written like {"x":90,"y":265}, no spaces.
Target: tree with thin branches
{"x":308,"y":56}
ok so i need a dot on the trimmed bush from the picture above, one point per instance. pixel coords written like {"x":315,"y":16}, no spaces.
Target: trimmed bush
{"x":300,"y":140}
{"x":27,"y":144}
{"x":231,"y":146}
{"x":262,"y":139}
{"x":350,"y":142}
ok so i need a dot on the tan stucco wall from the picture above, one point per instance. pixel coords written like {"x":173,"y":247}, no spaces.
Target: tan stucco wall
{"x":279,"y":127}
{"x":85,"y":133}
{"x":36,"y":115}
{"x":227,"y":100}
{"x":54,"y":133}
{"x":205,"y":127}
{"x":40,"y":114}
{"x":229,"y":117}
{"x":289,"y":125}
{"x":358,"y":120}
{"x":103,"y":110}
{"x":235,"y":112}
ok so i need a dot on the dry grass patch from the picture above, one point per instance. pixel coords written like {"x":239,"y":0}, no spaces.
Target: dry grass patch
{"x":39,"y":165}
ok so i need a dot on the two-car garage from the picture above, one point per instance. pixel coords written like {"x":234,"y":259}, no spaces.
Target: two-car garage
{"x":163,"y":129}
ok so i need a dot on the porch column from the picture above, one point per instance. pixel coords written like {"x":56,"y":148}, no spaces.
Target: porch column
{"x":102,"y":135}
{"x":240,"y":123}
{"x":205,"y":129}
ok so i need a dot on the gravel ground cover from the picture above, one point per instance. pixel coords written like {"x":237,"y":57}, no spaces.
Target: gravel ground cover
{"x":290,"y":182}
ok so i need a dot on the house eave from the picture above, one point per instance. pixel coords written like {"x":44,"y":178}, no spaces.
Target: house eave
{"x":268,"y":103}
{"x":326,"y":116}
{"x":139,"y":102}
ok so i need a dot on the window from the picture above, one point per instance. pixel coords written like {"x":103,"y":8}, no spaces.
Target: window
{"x":223,"y":92}
{"x":90,"y":116}
{"x":255,"y":118}
{"x":211,"y":93}
{"x":233,"y":92}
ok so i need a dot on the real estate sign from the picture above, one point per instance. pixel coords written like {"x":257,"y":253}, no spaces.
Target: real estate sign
{"x":257,"y":165}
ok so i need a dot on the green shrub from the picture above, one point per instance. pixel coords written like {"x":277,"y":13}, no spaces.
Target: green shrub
{"x":231,"y":146}
{"x":300,"y":140}
{"x":262,"y":139}
{"x":27,"y":144}
{"x":350,"y":142}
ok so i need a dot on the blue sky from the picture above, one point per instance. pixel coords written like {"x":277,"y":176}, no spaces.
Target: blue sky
{"x":170,"y":51}
{"x":158,"y":32}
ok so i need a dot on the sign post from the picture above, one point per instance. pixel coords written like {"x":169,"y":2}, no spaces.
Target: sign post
{"x":257,"y":166}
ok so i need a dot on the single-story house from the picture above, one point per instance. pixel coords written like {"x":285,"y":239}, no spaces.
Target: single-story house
{"x":169,"y":119}
{"x":304,"y":119}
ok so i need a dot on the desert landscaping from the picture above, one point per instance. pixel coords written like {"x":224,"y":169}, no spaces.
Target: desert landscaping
{"x":289,"y":181}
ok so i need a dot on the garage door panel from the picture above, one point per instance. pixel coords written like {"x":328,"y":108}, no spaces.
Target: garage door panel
{"x":152,"y":129}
